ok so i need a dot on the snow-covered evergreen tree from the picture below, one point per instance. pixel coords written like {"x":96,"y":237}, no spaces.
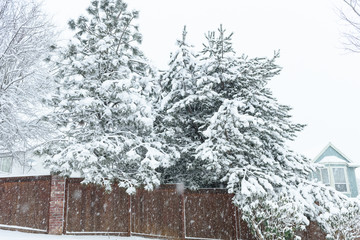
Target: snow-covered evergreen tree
{"x":177,"y":116}
{"x":103,"y":104}
{"x":223,"y":125}
{"x":246,"y":130}
{"x":229,"y":129}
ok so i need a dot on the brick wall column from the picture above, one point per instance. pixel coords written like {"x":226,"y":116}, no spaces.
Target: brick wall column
{"x":57,"y":205}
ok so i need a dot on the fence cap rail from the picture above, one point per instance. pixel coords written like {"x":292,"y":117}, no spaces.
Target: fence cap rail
{"x":25,"y":178}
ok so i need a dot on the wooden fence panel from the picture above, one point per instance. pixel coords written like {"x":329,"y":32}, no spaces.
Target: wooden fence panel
{"x":90,"y":209}
{"x":166,"y":212}
{"x":210,"y":214}
{"x":313,"y":231}
{"x":157,"y":213}
{"x":25,"y":202}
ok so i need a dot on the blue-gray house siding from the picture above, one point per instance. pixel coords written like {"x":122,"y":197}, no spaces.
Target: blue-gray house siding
{"x":330,"y":152}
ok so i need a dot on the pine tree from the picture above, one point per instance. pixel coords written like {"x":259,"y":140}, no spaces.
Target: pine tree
{"x":176,"y":119}
{"x":230,"y":130}
{"x":103,"y":106}
{"x":246,"y":131}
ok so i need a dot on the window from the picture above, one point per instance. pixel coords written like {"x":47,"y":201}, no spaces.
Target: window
{"x":322,"y":175}
{"x":339,"y":179}
{"x":325,"y":176}
{"x":335,"y":177}
{"x":5,"y":164}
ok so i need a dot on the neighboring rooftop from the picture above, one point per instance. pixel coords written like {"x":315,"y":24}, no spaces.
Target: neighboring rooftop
{"x":331,"y":155}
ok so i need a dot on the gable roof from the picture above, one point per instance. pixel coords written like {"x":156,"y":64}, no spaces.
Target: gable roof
{"x":331,"y":150}
{"x":330,"y":154}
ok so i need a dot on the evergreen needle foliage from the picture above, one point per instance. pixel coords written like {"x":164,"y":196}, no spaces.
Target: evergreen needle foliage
{"x":208,"y":120}
{"x":222,"y":126}
{"x":103,"y":107}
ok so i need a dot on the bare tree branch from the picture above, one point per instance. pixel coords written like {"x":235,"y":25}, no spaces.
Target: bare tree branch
{"x":25,"y":39}
{"x":351,"y":15}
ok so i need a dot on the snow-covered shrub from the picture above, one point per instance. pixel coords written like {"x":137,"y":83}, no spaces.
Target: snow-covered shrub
{"x":269,"y":217}
{"x":344,"y":223}
{"x":341,"y":221}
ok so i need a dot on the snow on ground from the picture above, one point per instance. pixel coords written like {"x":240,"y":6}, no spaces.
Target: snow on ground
{"x":14,"y":235}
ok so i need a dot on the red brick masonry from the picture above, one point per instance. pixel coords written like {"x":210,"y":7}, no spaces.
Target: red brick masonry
{"x":56,"y":208}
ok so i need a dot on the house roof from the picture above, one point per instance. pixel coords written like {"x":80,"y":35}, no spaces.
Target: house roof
{"x":331,"y":155}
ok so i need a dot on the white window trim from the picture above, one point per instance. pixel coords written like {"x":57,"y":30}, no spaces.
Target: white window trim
{"x":346,"y":178}
{"x":331,"y":177}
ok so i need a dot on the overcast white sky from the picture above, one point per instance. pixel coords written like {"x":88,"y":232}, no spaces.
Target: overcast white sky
{"x":320,"y":80}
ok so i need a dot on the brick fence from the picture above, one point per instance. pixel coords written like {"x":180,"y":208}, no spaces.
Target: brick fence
{"x":51,"y":204}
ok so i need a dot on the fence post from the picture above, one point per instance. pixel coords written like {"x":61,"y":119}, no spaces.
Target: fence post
{"x":130,"y":215}
{"x":57,"y":205}
{"x":180,"y":190}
